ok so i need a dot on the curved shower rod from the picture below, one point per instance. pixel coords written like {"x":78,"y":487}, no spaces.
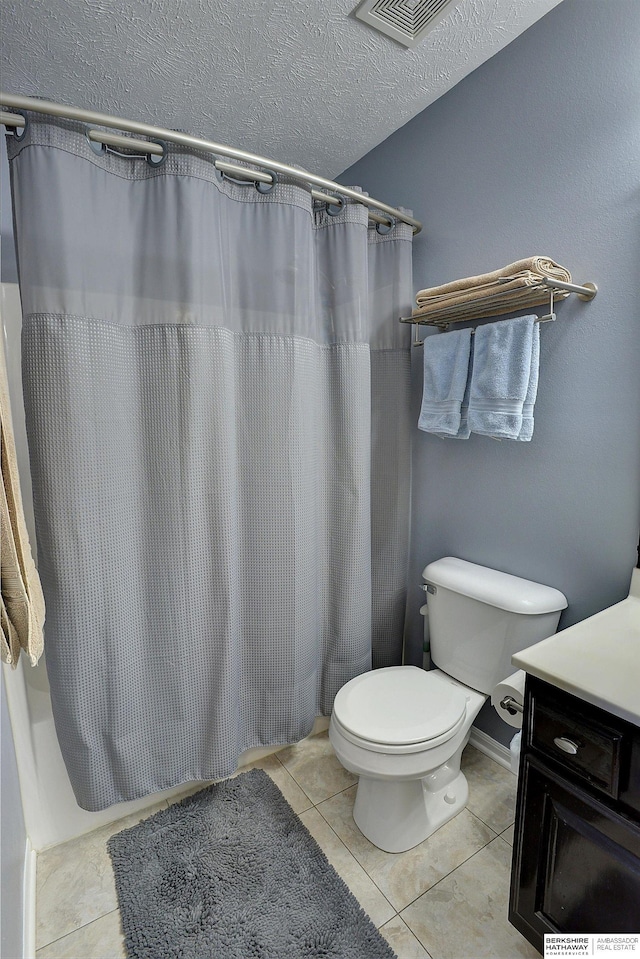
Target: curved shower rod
{"x":332,"y":198}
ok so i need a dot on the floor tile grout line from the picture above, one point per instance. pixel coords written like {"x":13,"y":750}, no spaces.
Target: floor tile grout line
{"x":333,"y":795}
{"x":505,"y":841}
{"x":450,"y":873}
{"x":484,"y":823}
{"x":361,"y":864}
{"x":45,"y":945}
{"x":315,"y":806}
{"x":324,"y":798}
{"x":417,"y":937}
{"x":428,"y":955}
{"x":369,"y":876}
{"x":366,"y":871}
{"x":399,"y":911}
{"x":289,"y":773}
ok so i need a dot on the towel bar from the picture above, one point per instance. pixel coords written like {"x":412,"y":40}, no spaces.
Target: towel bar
{"x":498,"y":304}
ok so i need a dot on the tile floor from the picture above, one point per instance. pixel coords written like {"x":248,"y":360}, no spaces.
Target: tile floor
{"x":444,"y":899}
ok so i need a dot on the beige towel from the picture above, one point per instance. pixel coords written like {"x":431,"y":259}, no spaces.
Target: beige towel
{"x":489,"y":294}
{"x":22,"y":606}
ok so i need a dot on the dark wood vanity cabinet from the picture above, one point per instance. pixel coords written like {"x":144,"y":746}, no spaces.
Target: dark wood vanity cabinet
{"x":576,"y":856}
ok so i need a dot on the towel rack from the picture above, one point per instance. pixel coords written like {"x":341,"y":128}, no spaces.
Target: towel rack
{"x":483,"y":307}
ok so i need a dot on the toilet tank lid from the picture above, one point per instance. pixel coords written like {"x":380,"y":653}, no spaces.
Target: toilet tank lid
{"x":493,"y":587}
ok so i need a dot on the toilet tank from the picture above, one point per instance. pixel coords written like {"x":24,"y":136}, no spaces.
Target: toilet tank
{"x":479,"y":617}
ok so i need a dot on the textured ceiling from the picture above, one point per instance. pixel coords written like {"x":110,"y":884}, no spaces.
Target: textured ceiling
{"x":300,"y":81}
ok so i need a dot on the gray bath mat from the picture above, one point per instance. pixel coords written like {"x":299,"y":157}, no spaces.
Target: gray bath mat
{"x":231,"y":873}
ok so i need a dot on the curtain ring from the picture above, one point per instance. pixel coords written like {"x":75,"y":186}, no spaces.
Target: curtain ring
{"x":19,"y":133}
{"x":335,"y":209}
{"x":97,"y":146}
{"x":263,"y":187}
{"x":384,"y":228}
{"x":153,"y":159}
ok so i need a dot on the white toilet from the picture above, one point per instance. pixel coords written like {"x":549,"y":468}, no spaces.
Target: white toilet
{"x":402,"y":729}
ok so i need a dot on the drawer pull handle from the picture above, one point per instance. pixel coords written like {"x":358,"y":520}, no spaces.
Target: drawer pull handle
{"x":566,"y":745}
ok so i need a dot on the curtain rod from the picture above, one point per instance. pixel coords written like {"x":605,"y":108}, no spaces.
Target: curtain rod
{"x":185,"y":139}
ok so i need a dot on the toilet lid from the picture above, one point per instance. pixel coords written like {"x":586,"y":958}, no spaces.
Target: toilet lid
{"x":399,"y":705}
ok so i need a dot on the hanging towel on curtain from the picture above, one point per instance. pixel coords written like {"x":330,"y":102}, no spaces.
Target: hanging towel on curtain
{"x":22,"y":602}
{"x":217,"y":402}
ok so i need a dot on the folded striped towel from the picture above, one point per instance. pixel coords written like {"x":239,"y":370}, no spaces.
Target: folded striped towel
{"x":489,"y":294}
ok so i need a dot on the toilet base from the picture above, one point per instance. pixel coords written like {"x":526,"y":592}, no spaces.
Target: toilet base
{"x":405,"y":793}
{"x":398,"y":815}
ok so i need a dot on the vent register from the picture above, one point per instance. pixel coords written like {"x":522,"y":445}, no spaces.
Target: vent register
{"x":407,"y":21}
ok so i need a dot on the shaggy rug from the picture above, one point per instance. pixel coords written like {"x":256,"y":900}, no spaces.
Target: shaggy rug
{"x":231,"y":873}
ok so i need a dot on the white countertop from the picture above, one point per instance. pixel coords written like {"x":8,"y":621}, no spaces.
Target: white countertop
{"x":597,"y":660}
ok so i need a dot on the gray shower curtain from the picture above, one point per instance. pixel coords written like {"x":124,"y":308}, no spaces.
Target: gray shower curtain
{"x":216,"y":390}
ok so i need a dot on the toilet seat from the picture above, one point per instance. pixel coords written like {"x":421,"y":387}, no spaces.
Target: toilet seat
{"x":399,"y":709}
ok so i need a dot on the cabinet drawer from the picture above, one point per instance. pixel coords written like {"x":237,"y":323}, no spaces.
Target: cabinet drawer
{"x":590,"y":749}
{"x":576,"y":864}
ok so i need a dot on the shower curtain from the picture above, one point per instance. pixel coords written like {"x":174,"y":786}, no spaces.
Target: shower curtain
{"x":216,"y":390}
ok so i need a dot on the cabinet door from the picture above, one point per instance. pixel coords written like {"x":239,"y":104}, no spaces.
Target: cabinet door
{"x":576,"y":864}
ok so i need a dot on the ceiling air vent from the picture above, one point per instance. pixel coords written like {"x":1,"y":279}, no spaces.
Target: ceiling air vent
{"x":407,"y":21}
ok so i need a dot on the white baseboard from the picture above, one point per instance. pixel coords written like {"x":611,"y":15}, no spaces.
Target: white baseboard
{"x":490,"y":747}
{"x":29,"y":903}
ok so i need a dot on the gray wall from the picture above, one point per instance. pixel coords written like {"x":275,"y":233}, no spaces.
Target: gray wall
{"x":537,"y":151}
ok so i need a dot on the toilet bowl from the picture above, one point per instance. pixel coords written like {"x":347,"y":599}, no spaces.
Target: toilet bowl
{"x":407,"y":756}
{"x":402,"y":729}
